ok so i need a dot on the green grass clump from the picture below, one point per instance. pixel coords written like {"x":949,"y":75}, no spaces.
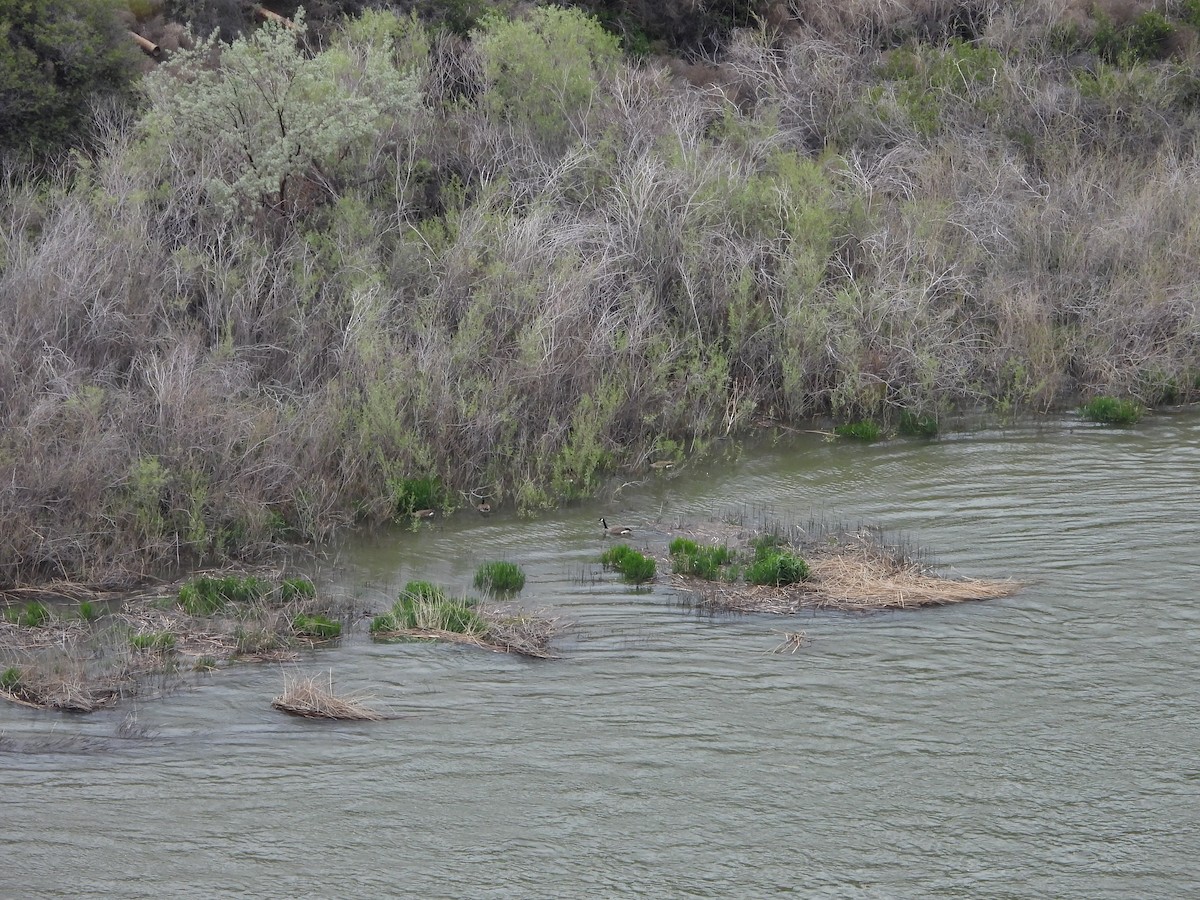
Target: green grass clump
{"x":296,"y":588}
{"x":423,"y":606}
{"x":424,"y":590}
{"x":383,"y":624}
{"x":316,"y":626}
{"x":88,"y":611}
{"x":10,"y":679}
{"x":499,"y":578}
{"x":1111,"y":411}
{"x":774,"y":564}
{"x":633,"y":566}
{"x":205,"y":664}
{"x":31,"y":615}
{"x":412,"y":494}
{"x":709,"y":562}
{"x":153,"y":640}
{"x":777,"y":569}
{"x":206,"y":595}
{"x":860,"y":431}
{"x":913,"y":425}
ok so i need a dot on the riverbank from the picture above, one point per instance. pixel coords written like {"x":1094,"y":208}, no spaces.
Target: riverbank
{"x":482,"y":289}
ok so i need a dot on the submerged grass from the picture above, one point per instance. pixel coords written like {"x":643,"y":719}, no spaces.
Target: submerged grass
{"x":499,"y":578}
{"x":83,"y":662}
{"x":635,"y":567}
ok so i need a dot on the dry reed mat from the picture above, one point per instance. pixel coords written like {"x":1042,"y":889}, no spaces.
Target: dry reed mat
{"x":313,"y":697}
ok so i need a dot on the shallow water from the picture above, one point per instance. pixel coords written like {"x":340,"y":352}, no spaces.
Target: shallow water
{"x":1044,"y":745}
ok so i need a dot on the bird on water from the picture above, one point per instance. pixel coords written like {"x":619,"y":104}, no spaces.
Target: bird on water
{"x":614,"y":530}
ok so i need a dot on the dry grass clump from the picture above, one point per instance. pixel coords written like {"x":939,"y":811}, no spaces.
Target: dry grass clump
{"x":41,"y":690}
{"x":792,"y":641}
{"x":313,"y":698}
{"x":526,"y":634}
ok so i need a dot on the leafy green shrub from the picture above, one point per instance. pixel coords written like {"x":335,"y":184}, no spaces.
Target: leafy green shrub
{"x":296,"y":589}
{"x":316,"y":626}
{"x":10,"y":679}
{"x":55,"y":60}
{"x":499,"y":578}
{"x":914,"y":425}
{"x":31,"y":615}
{"x":1143,"y":39}
{"x":266,"y":113}
{"x":633,"y":566}
{"x":702,"y":561}
{"x":859,"y":431}
{"x":153,"y":640}
{"x":1111,"y":411}
{"x":206,"y":595}
{"x":777,"y":568}
{"x":542,"y":70}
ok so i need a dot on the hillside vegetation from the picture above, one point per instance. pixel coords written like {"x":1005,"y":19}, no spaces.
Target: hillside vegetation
{"x":299,"y":276}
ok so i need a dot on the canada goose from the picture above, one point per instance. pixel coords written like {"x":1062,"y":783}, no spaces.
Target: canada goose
{"x":423,"y":514}
{"x":614,"y":530}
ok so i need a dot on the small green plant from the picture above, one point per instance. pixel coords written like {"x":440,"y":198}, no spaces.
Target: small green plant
{"x":316,"y":626}
{"x":425,"y":590}
{"x":296,"y":588}
{"x":633,"y":566}
{"x":153,"y":640}
{"x":88,"y":611}
{"x":413,"y":495}
{"x":31,"y":615}
{"x":499,"y":578}
{"x":914,"y":425}
{"x":206,"y":595}
{"x":383,"y":624}
{"x":423,"y":606}
{"x":710,"y":562}
{"x":683,"y":547}
{"x":777,"y":568}
{"x":859,"y":431}
{"x":1111,"y":411}
{"x":10,"y":679}
{"x":205,"y":664}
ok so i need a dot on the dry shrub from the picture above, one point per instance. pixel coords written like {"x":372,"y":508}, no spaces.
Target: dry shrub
{"x":313,"y":698}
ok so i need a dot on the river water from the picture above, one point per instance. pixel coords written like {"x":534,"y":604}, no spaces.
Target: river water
{"x":1043,"y":745}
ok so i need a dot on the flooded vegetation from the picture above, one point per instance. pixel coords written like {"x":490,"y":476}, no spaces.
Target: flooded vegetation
{"x":665,"y":726}
{"x":109,"y":647}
